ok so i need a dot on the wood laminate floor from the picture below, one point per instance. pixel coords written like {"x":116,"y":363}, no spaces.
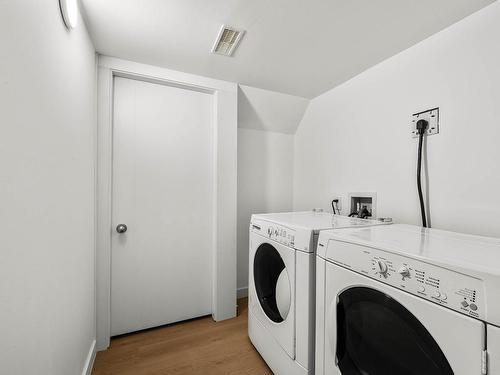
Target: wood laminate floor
{"x":196,"y":347}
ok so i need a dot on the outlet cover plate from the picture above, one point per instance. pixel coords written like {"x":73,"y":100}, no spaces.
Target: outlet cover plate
{"x":431,"y":116}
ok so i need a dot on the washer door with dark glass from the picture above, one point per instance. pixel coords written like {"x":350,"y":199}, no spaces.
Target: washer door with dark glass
{"x":377,"y":335}
{"x":375,"y":329}
{"x":272,"y":289}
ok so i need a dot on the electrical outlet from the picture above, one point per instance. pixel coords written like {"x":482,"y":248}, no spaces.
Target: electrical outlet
{"x":431,"y":116}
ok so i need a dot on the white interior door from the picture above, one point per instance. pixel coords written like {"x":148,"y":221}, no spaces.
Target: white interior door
{"x":161,"y":267}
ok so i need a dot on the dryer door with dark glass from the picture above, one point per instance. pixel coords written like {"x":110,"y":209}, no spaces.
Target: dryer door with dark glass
{"x":272,"y":283}
{"x":375,"y":329}
{"x":378,"y":335}
{"x":272,"y":289}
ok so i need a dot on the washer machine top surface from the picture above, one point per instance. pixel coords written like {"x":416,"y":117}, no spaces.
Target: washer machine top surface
{"x":314,"y":221}
{"x":298,"y":229}
{"x":457,"y":271}
{"x":449,"y":249}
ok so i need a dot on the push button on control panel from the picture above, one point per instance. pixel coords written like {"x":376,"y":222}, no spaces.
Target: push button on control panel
{"x":473,"y":306}
{"x":465,"y":304}
{"x":281,"y":235}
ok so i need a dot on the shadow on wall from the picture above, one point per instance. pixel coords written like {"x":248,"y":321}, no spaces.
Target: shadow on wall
{"x":265,"y":184}
{"x":427,"y":192}
{"x":247,"y":113}
{"x":268,"y":110}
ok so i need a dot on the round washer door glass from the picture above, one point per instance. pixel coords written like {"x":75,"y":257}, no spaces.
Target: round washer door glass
{"x":272,"y":283}
{"x":377,"y":335}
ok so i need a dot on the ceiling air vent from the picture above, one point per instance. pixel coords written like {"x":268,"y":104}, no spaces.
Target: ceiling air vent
{"x":227,"y":40}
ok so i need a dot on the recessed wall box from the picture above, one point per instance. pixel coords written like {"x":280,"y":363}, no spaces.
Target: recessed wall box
{"x":363,"y":205}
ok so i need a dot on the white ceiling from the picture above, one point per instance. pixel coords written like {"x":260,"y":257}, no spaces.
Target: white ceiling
{"x":299,"y":47}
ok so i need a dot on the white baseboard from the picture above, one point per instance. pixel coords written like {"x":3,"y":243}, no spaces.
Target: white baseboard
{"x":89,"y":362}
{"x":242,"y":292}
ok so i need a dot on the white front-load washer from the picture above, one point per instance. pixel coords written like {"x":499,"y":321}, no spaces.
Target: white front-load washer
{"x":405,"y":300}
{"x":282,"y":285}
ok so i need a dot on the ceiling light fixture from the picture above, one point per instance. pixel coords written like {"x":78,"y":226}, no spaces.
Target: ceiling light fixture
{"x":69,"y":11}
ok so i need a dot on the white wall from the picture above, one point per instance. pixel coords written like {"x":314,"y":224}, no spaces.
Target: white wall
{"x":356,"y":136}
{"x":47,"y":121}
{"x":265,"y":184}
{"x":269,"y":110}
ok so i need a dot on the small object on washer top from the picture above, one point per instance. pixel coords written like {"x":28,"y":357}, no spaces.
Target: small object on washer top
{"x":385,"y":219}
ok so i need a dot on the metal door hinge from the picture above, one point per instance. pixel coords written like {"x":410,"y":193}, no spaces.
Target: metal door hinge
{"x":484,"y":362}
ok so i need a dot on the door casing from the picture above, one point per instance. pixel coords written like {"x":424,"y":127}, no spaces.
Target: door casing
{"x":224,"y":177}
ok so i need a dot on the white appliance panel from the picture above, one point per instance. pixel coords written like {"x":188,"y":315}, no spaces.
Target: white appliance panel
{"x":319,"y":362}
{"x":464,"y":354}
{"x":454,"y":290}
{"x":493,"y":350}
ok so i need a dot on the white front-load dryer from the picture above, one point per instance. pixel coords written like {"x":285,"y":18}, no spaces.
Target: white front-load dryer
{"x":403,"y":300}
{"x":493,"y":334}
{"x":282,"y":285}
{"x":273,"y":285}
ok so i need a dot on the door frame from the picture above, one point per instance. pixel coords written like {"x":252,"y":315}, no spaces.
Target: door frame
{"x":225,"y":124}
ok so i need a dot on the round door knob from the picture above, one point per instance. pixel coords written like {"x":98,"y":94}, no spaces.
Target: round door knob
{"x":121,"y":228}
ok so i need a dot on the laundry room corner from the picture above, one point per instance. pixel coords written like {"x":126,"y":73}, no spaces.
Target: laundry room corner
{"x":358,"y":134}
{"x":267,"y":122}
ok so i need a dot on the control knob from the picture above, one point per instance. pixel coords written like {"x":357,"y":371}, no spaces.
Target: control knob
{"x":404,"y":271}
{"x":382,"y":268}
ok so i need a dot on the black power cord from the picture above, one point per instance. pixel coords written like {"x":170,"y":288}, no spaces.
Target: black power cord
{"x":364,"y":213}
{"x":421,"y":128}
{"x":334,"y":204}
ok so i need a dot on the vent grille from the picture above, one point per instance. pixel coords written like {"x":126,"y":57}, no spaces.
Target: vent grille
{"x":227,"y":40}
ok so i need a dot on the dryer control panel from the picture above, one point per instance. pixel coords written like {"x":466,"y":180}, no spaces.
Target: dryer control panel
{"x":440,"y":285}
{"x":275,"y":232}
